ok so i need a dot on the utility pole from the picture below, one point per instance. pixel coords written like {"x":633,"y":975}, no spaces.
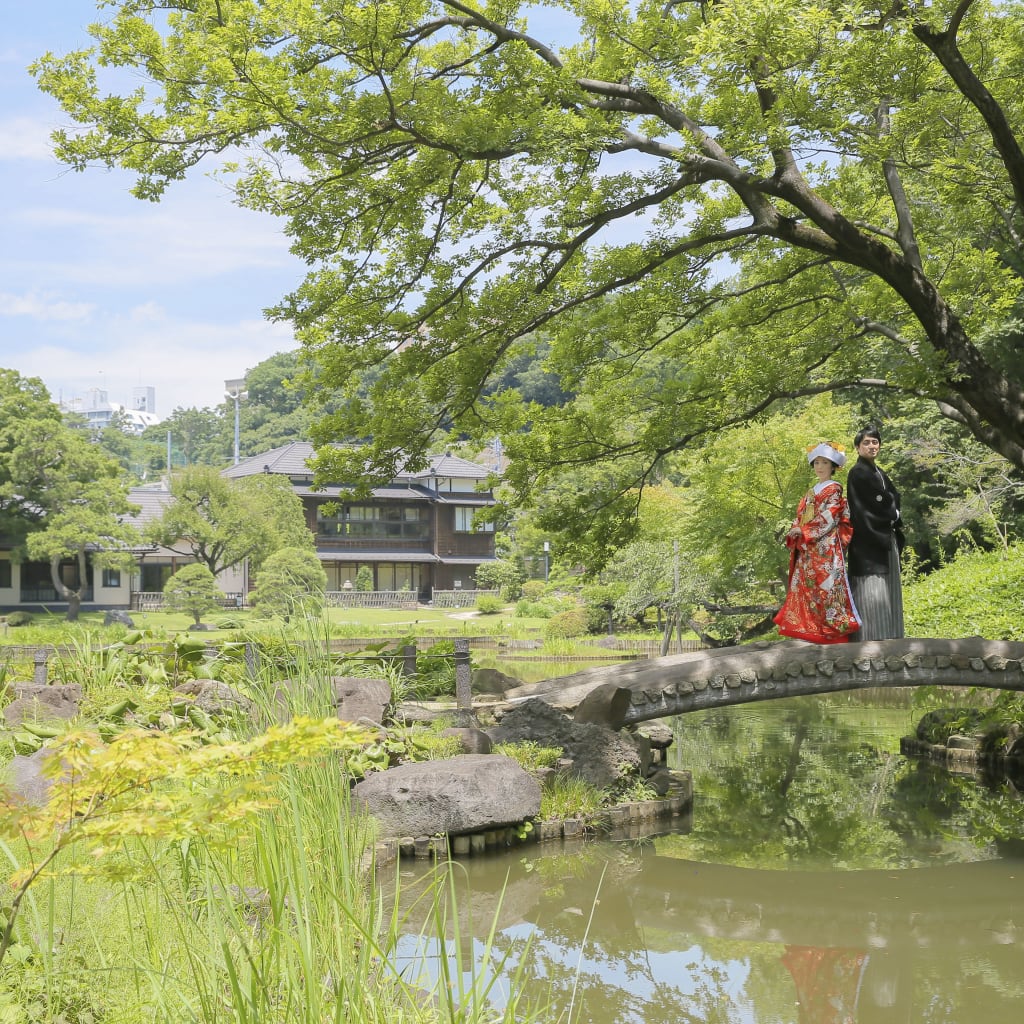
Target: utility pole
{"x":235,"y":390}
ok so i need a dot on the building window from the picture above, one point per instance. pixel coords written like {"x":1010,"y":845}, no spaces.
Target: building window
{"x":111,"y":577}
{"x":464,"y":522}
{"x":376,"y":523}
{"x":5,"y":572}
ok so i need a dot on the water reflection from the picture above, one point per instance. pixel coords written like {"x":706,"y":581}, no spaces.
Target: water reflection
{"x":824,"y":880}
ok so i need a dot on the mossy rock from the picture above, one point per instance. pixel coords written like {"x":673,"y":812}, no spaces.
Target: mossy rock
{"x":937,"y":726}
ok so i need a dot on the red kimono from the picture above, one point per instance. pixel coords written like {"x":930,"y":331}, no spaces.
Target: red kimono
{"x":819,"y":605}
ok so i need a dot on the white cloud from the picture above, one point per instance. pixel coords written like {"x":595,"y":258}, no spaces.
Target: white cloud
{"x":25,"y":138}
{"x":43,"y":306}
{"x":185,"y":238}
{"x":187,"y":362}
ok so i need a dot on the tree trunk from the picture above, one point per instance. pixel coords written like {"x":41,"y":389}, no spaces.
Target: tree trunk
{"x":73,"y":597}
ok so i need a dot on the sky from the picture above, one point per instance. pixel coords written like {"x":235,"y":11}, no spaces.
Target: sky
{"x":102,"y":290}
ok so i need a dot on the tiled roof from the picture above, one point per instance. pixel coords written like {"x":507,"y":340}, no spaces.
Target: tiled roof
{"x":293,"y":460}
{"x":152,"y":501}
{"x":452,"y":465}
{"x":288,"y":460}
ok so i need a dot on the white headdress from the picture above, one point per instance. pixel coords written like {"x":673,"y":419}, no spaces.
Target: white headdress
{"x":827,"y":450}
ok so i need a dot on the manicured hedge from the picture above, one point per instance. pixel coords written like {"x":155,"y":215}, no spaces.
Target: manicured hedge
{"x":977,"y":594}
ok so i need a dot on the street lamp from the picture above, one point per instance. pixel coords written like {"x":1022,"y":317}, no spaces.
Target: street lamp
{"x":235,"y":390}
{"x":547,"y":549}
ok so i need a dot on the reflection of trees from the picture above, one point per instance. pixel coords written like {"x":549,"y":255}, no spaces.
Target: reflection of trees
{"x":592,"y":953}
{"x":623,"y":936}
{"x":789,"y":789}
{"x":927,"y":804}
{"x":930,"y":808}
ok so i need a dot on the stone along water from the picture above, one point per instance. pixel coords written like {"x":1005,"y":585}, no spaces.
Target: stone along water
{"x":824,"y":879}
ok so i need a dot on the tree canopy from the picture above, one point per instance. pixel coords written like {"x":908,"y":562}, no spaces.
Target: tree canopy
{"x":222,"y":522}
{"x":702,"y":208}
{"x":61,"y":497}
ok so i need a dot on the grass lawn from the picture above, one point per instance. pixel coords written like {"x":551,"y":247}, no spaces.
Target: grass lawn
{"x":48,"y":628}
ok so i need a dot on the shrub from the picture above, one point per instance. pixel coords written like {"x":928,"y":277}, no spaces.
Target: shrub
{"x":193,"y":590}
{"x":488,"y":604}
{"x":505,"y":575}
{"x":597,"y":619}
{"x":533,"y":590}
{"x":978,"y":594}
{"x":19,"y":618}
{"x":570,"y":797}
{"x":364,"y":579}
{"x":566,"y":625}
{"x":291,"y":581}
{"x":533,"y":610}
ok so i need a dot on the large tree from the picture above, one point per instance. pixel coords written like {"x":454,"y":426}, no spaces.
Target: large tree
{"x":221,"y":522}
{"x":61,"y":497}
{"x":703,"y":207}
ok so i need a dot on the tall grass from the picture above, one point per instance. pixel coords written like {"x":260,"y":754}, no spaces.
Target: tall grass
{"x":284,"y":927}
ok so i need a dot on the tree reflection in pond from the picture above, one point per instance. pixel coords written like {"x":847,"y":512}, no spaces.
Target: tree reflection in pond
{"x":818,"y":857}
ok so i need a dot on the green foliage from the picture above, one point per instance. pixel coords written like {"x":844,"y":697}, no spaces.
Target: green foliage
{"x":489,"y":604}
{"x":153,"y":785}
{"x":62,"y":498}
{"x":291,"y":581}
{"x":529,"y":754}
{"x":568,"y":624}
{"x":568,"y":796}
{"x":193,"y":589}
{"x":18,"y":618}
{"x":364,"y":580}
{"x":977,"y":594}
{"x":937,"y":726}
{"x":633,"y":790}
{"x":526,"y":609}
{"x":505,"y":574}
{"x":533,"y":590}
{"x":221,"y":522}
{"x":874,"y":271}
{"x":430,"y":745}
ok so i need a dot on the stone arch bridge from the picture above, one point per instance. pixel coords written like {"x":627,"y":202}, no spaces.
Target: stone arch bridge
{"x":674,"y":685}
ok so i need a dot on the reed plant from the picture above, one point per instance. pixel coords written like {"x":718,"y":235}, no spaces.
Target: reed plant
{"x":229,"y":905}
{"x":568,"y":796}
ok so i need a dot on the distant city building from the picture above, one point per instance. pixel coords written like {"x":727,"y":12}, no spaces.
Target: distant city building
{"x":100,"y":412}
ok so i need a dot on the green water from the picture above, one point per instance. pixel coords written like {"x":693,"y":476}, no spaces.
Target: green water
{"x":823,"y":878}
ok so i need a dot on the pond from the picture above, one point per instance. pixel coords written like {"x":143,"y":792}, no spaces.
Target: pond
{"x":823,"y":878}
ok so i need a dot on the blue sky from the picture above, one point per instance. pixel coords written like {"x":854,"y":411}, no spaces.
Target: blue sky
{"x":99,"y":289}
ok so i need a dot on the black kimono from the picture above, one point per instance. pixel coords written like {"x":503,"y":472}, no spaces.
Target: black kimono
{"x":873,"y":557}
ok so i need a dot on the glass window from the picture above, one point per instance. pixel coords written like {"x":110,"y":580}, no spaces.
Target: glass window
{"x":464,"y":521}
{"x":111,"y":577}
{"x":5,"y":572}
{"x":376,"y":522}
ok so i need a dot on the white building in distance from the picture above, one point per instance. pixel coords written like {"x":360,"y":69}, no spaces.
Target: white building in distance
{"x":100,"y":412}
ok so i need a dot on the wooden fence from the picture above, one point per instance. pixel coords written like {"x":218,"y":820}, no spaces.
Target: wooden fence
{"x":153,"y":601}
{"x":459,"y":598}
{"x":372,"y":599}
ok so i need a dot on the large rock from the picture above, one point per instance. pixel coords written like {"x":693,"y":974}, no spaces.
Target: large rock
{"x":361,"y":699}
{"x":493,"y":681}
{"x":215,"y":697}
{"x":597,"y":755}
{"x":26,"y":778}
{"x":468,"y":793}
{"x":42,"y":702}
